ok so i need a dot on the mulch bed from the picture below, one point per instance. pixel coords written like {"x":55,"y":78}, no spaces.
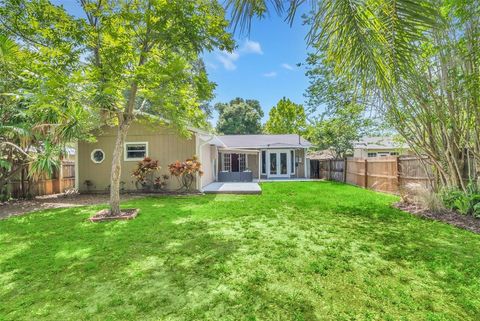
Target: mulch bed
{"x":104,"y":215}
{"x":466,"y":222}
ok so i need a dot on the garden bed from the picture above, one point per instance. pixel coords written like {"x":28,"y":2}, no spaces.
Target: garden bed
{"x":466,"y":222}
{"x":104,"y":215}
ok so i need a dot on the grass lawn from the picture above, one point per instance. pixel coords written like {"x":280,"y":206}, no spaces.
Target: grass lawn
{"x":299,"y":251}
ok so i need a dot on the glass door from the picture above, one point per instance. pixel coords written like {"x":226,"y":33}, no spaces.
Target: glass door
{"x":279,"y":163}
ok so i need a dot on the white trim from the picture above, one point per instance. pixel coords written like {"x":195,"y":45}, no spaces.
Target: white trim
{"x":126,"y":159}
{"x":305,"y":163}
{"x":278,"y":160}
{"x":93,"y":152}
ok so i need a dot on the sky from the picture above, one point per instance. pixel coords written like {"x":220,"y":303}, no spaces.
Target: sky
{"x":262,"y":67}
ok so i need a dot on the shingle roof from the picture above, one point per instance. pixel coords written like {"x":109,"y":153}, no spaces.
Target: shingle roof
{"x":380,"y":142}
{"x":264,"y":141}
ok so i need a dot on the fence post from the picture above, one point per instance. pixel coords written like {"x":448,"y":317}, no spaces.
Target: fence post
{"x":365,"y":183}
{"x":397,"y":167}
{"x":329,"y":169}
{"x":345,"y":170}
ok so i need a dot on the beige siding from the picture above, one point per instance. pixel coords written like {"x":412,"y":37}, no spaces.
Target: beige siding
{"x":164,"y":145}
{"x":207,"y":158}
{"x":252,"y":161}
{"x":363,"y":152}
{"x":300,"y":170}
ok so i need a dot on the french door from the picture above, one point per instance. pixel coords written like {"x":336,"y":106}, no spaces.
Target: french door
{"x":278,"y":163}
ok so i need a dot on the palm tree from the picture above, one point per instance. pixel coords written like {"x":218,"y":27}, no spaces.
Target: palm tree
{"x":372,"y":41}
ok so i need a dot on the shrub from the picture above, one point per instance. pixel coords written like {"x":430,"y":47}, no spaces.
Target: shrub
{"x":466,"y":203}
{"x":143,"y":173}
{"x":186,"y":171}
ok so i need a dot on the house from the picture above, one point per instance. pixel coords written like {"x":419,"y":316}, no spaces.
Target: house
{"x":223,"y":158}
{"x":380,"y":146}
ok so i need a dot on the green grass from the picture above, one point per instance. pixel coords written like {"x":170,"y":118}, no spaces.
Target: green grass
{"x":299,"y":251}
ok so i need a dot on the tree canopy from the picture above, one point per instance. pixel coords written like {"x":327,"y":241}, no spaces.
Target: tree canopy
{"x":239,"y":116}
{"x":132,"y":57}
{"x":286,"y":118}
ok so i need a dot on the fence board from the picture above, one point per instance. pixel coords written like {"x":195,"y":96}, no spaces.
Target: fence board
{"x":62,"y":180}
{"x":385,"y":174}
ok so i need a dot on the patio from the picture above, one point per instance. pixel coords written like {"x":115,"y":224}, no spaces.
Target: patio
{"x":232,"y":188}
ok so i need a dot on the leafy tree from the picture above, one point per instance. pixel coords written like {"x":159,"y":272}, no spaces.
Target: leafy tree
{"x":339,"y":130}
{"x":40,"y":110}
{"x":139,"y":55}
{"x":286,"y":118}
{"x":239,"y":116}
{"x":373,"y":41}
{"x":344,"y":119}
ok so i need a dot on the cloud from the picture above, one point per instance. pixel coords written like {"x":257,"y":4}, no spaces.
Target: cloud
{"x":270,"y":74}
{"x":287,"y":66}
{"x":227,"y":59}
{"x":252,"y":47}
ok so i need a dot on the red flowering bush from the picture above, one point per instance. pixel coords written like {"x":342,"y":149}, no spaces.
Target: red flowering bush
{"x":143,"y":173}
{"x":186,"y":171}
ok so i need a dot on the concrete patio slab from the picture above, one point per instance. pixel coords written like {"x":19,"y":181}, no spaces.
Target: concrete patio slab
{"x":232,"y":188}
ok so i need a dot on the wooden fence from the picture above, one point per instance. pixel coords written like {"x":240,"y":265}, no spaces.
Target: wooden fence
{"x":62,"y":180}
{"x":386,"y":174}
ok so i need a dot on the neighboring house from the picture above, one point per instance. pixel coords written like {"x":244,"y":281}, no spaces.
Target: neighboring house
{"x":223,"y":158}
{"x":321,"y":154}
{"x":379,"y":147}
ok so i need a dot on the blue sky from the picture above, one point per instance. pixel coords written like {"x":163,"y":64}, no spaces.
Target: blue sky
{"x":263,"y":67}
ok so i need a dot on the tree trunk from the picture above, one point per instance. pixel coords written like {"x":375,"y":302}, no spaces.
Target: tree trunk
{"x":117,"y":168}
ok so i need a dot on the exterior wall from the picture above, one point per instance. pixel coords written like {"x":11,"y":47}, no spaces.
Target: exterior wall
{"x":363,"y":152}
{"x":252,"y":164}
{"x":164,"y":145}
{"x":300,"y":170}
{"x":207,"y":159}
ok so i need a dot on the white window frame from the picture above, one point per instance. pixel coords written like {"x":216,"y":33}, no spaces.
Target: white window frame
{"x":368,"y":154}
{"x":93,"y":152}
{"x":229,"y":155}
{"x":127,"y":159}
{"x":244,"y":156}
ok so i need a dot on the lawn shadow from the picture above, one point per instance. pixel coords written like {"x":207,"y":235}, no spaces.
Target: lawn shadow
{"x":165,"y":260}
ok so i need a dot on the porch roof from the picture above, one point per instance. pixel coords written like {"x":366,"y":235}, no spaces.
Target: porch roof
{"x":264,"y":141}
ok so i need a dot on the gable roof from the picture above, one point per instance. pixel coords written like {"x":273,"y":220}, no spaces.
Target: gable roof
{"x":379,"y":142}
{"x":264,"y":141}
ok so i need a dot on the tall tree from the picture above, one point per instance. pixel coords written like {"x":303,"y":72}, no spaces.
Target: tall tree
{"x":347,"y":109}
{"x":138,"y":55}
{"x":41,"y":110}
{"x":286,"y":118}
{"x":239,"y":116}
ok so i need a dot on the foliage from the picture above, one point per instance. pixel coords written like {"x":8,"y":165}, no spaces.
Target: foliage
{"x":186,"y":171}
{"x":144,"y":171}
{"x":465,"y":202}
{"x":41,"y":110}
{"x":298,"y":251}
{"x":137,"y":56}
{"x":239,"y":116}
{"x":371,"y":41}
{"x":286,"y":118}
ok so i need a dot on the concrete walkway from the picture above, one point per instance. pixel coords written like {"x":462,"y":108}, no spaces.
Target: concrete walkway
{"x":232,"y":188}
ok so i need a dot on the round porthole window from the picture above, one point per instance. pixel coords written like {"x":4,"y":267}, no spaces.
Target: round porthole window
{"x":97,"y":156}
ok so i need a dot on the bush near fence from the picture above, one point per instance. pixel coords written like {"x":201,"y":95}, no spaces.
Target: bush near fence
{"x":385,"y":174}
{"x":62,"y":180}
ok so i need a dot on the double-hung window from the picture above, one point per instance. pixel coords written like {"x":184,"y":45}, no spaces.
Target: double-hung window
{"x":227,"y":162}
{"x":135,"y":151}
